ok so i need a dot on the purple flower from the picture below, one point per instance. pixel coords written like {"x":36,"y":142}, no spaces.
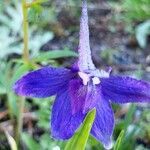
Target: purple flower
{"x":80,"y":89}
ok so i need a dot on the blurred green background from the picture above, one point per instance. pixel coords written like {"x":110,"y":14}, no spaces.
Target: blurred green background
{"x":120,"y":37}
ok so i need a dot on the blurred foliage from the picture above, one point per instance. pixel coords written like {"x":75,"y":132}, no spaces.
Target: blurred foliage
{"x":42,"y":17}
{"x":136,"y":10}
{"x":142,"y":32}
{"x":11,"y":31}
{"x":135,"y":14}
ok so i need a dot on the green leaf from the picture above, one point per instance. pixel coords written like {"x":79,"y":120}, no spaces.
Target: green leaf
{"x":142,"y":32}
{"x":129,"y":116}
{"x":119,"y":140}
{"x":54,"y":54}
{"x":34,"y":13}
{"x":18,"y":72}
{"x":136,"y":10}
{"x":30,"y":142}
{"x":11,"y":141}
{"x":128,"y":141}
{"x":12,"y":104}
{"x":79,"y":140}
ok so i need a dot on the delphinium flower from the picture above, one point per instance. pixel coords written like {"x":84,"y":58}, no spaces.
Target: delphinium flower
{"x":81,"y":88}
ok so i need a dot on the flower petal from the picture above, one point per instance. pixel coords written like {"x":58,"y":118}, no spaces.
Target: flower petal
{"x":125,"y":89}
{"x":77,"y":93}
{"x":104,"y":123}
{"x":63,"y":123}
{"x":91,"y":98}
{"x":83,"y":97}
{"x":43,"y":82}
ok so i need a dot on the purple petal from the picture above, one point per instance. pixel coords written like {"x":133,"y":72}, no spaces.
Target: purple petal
{"x":91,"y":98}
{"x":104,"y":122}
{"x":83,"y":97}
{"x":125,"y":89}
{"x":43,"y":82}
{"x":63,"y":123}
{"x":77,"y":93}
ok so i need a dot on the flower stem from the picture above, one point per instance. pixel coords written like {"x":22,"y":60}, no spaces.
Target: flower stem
{"x":19,"y":121}
{"x":25,"y":57}
{"x":25,"y":31}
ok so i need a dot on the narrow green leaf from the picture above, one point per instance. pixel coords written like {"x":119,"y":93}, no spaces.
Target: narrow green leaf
{"x":18,"y":72}
{"x":129,"y":116}
{"x":7,"y":75}
{"x":12,"y":103}
{"x":119,"y":140}
{"x":30,"y":142}
{"x":79,"y":140}
{"x":128,"y":121}
{"x":11,"y":141}
{"x":2,"y":89}
{"x":54,"y":54}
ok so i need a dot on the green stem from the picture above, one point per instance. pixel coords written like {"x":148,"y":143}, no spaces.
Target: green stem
{"x":25,"y":31}
{"x":19,"y":121}
{"x":25,"y":57}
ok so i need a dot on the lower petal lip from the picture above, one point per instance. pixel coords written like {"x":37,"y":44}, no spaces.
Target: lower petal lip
{"x":103,"y":125}
{"x":63,"y":123}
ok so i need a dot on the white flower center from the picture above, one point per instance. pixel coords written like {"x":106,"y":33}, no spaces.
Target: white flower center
{"x":104,"y":74}
{"x":86,"y":78}
{"x":96,"y":80}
